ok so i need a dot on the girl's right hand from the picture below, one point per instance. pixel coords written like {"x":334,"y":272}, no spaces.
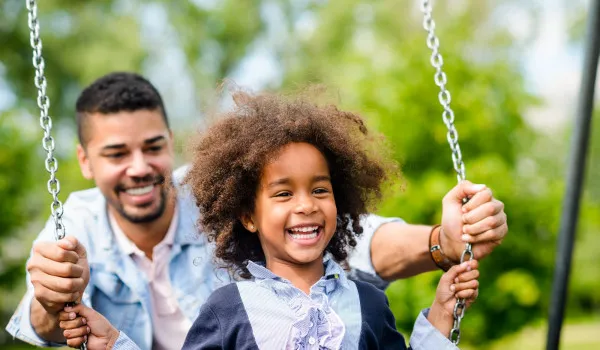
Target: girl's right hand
{"x":81,"y":323}
{"x":459,"y":282}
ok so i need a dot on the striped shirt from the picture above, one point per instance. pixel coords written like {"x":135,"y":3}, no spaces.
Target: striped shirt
{"x":268,"y":312}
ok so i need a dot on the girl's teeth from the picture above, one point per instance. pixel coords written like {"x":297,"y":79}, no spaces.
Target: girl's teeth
{"x":305,"y":229}
{"x":304,"y":236}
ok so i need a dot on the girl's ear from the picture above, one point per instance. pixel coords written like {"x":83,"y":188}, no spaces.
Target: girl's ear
{"x":248,"y":223}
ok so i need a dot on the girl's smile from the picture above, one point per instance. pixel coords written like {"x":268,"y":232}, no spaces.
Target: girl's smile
{"x":305,"y":234}
{"x":294,"y":215}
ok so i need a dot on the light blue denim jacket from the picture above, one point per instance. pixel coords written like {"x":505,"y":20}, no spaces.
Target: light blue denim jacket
{"x":119,"y":290}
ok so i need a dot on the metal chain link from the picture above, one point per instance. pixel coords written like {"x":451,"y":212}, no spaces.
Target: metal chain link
{"x":43,"y":102}
{"x":444,"y":97}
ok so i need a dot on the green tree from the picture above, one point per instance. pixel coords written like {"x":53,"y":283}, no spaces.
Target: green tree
{"x":373,"y":56}
{"x":585,"y":274}
{"x":378,"y":64}
{"x":82,"y":41}
{"x":14,"y":185}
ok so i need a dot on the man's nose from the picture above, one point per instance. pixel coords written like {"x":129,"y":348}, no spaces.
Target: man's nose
{"x":139,"y":166}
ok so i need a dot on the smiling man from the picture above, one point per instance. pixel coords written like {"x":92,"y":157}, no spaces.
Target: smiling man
{"x":133,"y":251}
{"x":129,"y":155}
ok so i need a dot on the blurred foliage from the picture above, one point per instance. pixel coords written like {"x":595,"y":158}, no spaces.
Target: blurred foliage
{"x":576,"y":14}
{"x":82,"y":41}
{"x":15,"y":184}
{"x":373,"y":57}
{"x":85,"y":40}
{"x":378,"y":64}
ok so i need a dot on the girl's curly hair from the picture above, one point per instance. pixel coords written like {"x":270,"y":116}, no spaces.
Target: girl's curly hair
{"x":228,"y":159}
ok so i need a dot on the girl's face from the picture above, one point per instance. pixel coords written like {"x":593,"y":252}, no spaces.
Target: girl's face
{"x":295,"y":213}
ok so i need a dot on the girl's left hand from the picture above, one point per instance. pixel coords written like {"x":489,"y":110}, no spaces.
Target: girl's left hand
{"x":459,"y":282}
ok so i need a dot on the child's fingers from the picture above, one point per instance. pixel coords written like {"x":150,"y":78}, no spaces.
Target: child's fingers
{"x":76,"y":342}
{"x":469,"y":294}
{"x":471,"y":300}
{"x":453,"y":273}
{"x":76,"y":323}
{"x":70,"y":312}
{"x":77,"y":308}
{"x":473,"y":284}
{"x":467,"y":276}
{"x":456,"y":270}
{"x":66,"y":316}
{"x":76,"y":332}
{"x":473,"y":265}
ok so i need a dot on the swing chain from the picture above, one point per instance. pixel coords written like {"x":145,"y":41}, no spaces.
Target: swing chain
{"x":43,"y":102}
{"x":444,"y":97}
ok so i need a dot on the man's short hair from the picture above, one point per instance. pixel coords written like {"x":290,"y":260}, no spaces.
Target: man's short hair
{"x":113,"y":93}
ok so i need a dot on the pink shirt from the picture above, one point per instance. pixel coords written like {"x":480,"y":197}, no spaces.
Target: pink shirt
{"x":170,"y":326}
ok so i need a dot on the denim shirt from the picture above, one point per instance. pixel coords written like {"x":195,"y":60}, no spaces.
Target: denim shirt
{"x":117,"y":288}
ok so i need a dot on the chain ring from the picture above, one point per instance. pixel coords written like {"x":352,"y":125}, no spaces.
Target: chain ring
{"x":444,"y":98}
{"x":43,"y":102}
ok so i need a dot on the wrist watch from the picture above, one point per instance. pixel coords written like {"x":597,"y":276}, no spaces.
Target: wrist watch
{"x":435,"y":249}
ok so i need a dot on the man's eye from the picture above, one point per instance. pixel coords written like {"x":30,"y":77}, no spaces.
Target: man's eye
{"x":155,"y":148}
{"x":115,"y":155}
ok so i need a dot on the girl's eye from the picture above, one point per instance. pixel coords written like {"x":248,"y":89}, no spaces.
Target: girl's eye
{"x":321,"y":191}
{"x":283,"y":194}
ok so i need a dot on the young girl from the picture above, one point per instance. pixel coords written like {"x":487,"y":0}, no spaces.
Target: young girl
{"x":281,"y":186}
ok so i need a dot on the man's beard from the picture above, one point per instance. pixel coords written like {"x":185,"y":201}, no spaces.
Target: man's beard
{"x":152,"y":216}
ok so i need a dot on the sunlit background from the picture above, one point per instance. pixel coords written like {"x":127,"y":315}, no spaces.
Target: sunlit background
{"x":513,"y":68}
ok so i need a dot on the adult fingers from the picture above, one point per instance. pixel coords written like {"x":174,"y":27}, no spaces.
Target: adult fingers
{"x":494,"y":236}
{"x":52,"y":299}
{"x":465,"y":189}
{"x":54,"y":251}
{"x":76,"y":246}
{"x":54,"y":268}
{"x":483,"y":211}
{"x":61,"y":284}
{"x":477,"y":199}
{"x":486,"y":224}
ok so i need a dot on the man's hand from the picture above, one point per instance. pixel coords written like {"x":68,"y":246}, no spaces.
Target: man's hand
{"x":59,"y":272}
{"x":481,"y":221}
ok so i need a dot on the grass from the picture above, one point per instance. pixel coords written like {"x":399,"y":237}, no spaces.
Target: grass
{"x":574,"y":336}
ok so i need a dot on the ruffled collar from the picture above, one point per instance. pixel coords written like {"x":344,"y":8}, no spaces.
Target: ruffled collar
{"x":317,"y":326}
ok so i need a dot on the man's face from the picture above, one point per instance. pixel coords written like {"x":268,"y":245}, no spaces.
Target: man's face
{"x":128,"y":155}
